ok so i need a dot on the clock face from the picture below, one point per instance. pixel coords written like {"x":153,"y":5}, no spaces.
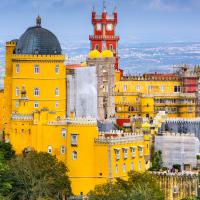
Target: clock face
{"x":98,"y":27}
{"x":109,"y":27}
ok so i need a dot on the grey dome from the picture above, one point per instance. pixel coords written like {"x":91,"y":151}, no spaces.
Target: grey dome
{"x":39,"y":41}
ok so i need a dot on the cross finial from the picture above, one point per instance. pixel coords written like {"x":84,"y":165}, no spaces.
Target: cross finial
{"x":104,"y":5}
{"x":38,"y":21}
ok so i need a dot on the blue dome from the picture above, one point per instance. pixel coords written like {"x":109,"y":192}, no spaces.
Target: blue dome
{"x":38,"y":41}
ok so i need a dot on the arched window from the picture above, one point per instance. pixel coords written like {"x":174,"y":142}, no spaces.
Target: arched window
{"x":74,"y":155}
{"x":57,"y":69}
{"x":57,"y":91}
{"x":36,"y":69}
{"x":17,"y":91}
{"x":36,"y":92}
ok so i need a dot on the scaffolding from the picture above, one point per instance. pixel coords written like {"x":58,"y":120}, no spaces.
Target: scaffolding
{"x":178,"y":148}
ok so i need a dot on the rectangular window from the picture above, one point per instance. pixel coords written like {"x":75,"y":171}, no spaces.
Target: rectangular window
{"x":162,"y":88}
{"x":36,"y":104}
{"x":140,"y":151}
{"x":116,"y":168}
{"x":123,"y":99}
{"x":17,"y":104}
{"x":117,"y":154}
{"x":125,"y":87}
{"x":36,"y":69}
{"x":49,"y":150}
{"x":138,"y":87}
{"x":139,"y":165}
{"x":64,"y":132}
{"x":125,"y":150}
{"x":57,"y":104}
{"x":16,"y":91}
{"x":132,"y":166}
{"x":62,"y":149}
{"x":124,"y":167}
{"x":74,"y":139}
{"x":36,"y":92}
{"x":133,"y":153}
{"x":150,"y":87}
{"x":17,"y":68}
{"x":57,"y":69}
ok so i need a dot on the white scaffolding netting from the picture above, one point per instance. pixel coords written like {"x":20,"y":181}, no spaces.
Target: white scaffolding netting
{"x":178,"y":148}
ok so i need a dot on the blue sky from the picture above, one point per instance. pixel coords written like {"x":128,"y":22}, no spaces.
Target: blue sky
{"x":139,"y":20}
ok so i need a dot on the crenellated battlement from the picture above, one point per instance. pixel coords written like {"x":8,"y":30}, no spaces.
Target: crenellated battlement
{"x":38,"y":58}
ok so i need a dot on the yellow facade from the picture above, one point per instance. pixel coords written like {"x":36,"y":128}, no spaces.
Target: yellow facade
{"x":96,"y":160}
{"x":145,"y":97}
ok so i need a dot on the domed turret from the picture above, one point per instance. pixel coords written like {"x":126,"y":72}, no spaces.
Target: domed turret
{"x":94,"y":54}
{"x":39,"y":41}
{"x":107,"y":54}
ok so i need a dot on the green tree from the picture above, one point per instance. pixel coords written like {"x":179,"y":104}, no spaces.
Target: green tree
{"x":140,"y":186}
{"x":157,"y":162}
{"x":5,"y":182}
{"x":38,"y":176}
{"x":6,"y":150}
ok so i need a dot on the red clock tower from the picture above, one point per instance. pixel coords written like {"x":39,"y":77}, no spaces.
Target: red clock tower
{"x":104,"y":33}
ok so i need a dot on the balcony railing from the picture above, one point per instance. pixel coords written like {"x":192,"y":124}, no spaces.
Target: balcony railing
{"x":101,"y":37}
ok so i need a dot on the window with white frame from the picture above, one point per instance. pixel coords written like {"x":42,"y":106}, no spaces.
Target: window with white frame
{"x":125,"y":151}
{"x":57,"y":91}
{"x":36,"y":69}
{"x":49,"y":150}
{"x":138,"y":87}
{"x":57,"y":69}
{"x":17,"y":91}
{"x":117,"y":168}
{"x":150,"y":87}
{"x":124,"y":167}
{"x":57,"y":104}
{"x":62,"y":149}
{"x":74,"y":139}
{"x":133,"y":152}
{"x":74,"y":155}
{"x":125,"y":87}
{"x":64,"y":132}
{"x":17,"y":68}
{"x":17,"y":104}
{"x":132,"y":166}
{"x":36,"y":104}
{"x":139,"y":165}
{"x":36,"y":92}
{"x":162,"y":88}
{"x":140,"y":148}
{"x":117,"y":154}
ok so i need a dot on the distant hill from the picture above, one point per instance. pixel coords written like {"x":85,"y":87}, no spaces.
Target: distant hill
{"x":135,"y":58}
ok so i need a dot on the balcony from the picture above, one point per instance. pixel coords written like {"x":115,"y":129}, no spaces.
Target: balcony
{"x":101,"y":37}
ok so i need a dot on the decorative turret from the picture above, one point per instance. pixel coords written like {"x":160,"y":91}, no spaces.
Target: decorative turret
{"x":104,"y":32}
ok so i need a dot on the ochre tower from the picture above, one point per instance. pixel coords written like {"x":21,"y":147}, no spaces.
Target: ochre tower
{"x":35,"y":74}
{"x":104,"y":33}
